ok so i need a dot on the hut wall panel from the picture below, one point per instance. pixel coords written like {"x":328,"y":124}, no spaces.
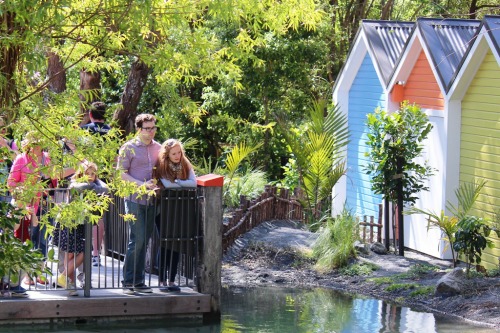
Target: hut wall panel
{"x":480,"y":142}
{"x":422,"y":87}
{"x":365,"y":96}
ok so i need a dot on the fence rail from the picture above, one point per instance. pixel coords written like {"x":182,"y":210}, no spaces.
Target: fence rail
{"x":273,"y":204}
{"x":374,"y":229}
{"x":173,"y":246}
{"x":278,"y":204}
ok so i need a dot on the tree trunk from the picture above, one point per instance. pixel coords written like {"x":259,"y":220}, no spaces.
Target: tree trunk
{"x":332,"y":69}
{"x":90,"y":91}
{"x":56,"y":73}
{"x":399,"y":190}
{"x":125,"y":115}
{"x":473,"y":9}
{"x":9,"y":57}
{"x":387,"y":10}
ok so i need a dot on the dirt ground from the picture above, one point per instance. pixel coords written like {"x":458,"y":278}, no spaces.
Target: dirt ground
{"x":271,"y":254}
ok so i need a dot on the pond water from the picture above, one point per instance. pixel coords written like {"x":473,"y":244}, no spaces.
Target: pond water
{"x":277,"y":310}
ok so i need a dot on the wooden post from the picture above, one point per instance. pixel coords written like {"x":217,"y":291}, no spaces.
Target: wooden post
{"x":399,"y":190}
{"x":386,"y":224}
{"x":211,"y":249}
{"x":371,"y":228}
{"x":380,"y":223}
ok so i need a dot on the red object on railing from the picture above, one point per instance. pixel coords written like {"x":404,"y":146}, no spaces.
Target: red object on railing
{"x":210,"y":180}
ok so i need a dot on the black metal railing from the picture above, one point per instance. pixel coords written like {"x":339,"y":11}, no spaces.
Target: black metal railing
{"x":172,"y":252}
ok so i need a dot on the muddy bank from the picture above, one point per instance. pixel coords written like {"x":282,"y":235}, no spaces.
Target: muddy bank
{"x":271,"y":254}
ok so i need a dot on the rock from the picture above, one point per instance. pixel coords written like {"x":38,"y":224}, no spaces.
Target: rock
{"x":451,"y":283}
{"x":378,"y":248}
{"x":361,"y":247}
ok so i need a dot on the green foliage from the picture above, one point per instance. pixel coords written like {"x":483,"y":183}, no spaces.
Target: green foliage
{"x":394,"y":137}
{"x":418,"y":270}
{"x":470,"y":239}
{"x":447,"y":225}
{"x":335,"y":243}
{"x":290,"y":175}
{"x":467,"y":195}
{"x":317,"y":149}
{"x":278,"y":81}
{"x":382,"y":280}
{"x":493,"y":272}
{"x":359,"y":269}
{"x":239,"y":178}
{"x":401,"y":286}
{"x":14,"y":255}
{"x":250,"y":184}
{"x":423,"y":291}
{"x":415,"y":272}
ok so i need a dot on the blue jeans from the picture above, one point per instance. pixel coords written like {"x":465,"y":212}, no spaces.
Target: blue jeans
{"x":140,"y":231}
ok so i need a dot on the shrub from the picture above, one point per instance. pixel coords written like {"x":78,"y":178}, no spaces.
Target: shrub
{"x":359,"y":269}
{"x":470,"y":239}
{"x":335,"y":243}
{"x":429,"y":290}
{"x":250,"y":184}
{"x":401,"y":286}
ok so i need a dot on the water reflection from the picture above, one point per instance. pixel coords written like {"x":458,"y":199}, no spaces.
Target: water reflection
{"x":323,"y":310}
{"x":277,"y":310}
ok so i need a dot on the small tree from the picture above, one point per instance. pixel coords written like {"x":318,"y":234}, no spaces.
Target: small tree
{"x":317,"y":148}
{"x":396,"y":140}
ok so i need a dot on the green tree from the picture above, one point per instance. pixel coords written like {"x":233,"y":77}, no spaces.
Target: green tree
{"x":393,"y":137}
{"x":395,"y":141}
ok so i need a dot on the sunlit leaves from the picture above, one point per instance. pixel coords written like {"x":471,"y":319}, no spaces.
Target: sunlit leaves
{"x":318,"y":148}
{"x":394,"y":136}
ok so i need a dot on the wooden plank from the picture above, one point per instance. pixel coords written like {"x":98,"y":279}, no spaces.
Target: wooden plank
{"x":50,"y":307}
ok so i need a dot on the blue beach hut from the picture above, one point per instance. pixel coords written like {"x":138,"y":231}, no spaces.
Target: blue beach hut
{"x":359,"y":89}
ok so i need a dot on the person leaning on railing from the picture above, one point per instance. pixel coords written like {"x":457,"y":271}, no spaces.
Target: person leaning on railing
{"x":136,"y":161}
{"x":174,"y":170}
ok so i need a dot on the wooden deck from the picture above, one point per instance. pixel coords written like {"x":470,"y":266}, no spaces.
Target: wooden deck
{"x":105,"y":300}
{"x":50,"y":305}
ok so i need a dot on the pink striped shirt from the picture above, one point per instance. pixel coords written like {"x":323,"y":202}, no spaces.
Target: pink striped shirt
{"x":26,"y":168}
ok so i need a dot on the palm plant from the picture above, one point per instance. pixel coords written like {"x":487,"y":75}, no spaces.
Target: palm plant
{"x":250,"y":184}
{"x":237,"y":180}
{"x":317,"y":150}
{"x":467,"y":195}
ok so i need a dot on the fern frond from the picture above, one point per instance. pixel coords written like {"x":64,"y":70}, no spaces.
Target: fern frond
{"x":237,"y":155}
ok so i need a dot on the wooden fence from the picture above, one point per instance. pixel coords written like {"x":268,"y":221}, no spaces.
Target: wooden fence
{"x":374,"y":229}
{"x":273,"y":204}
{"x":278,"y":204}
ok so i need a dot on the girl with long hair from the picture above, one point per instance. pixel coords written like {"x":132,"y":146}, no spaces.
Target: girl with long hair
{"x":173,"y":170}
